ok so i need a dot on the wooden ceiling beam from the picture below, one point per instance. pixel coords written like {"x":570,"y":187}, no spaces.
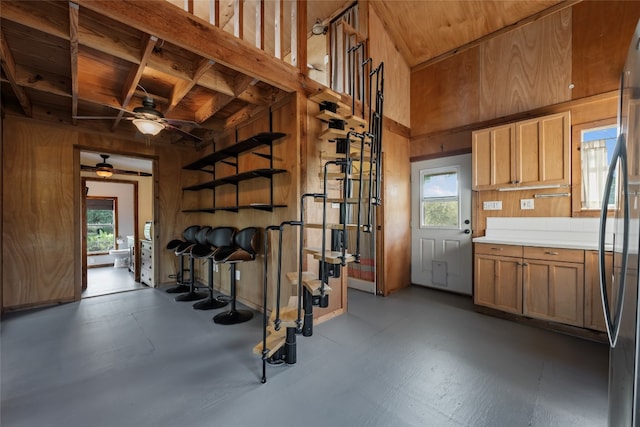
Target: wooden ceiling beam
{"x":130,"y":85}
{"x":191,"y":33}
{"x":257,"y":96}
{"x":9,"y":67}
{"x":217,"y":82}
{"x":214,"y":104}
{"x":43,"y":82}
{"x":73,"y":54}
{"x":183,"y":87}
{"x":23,"y":13}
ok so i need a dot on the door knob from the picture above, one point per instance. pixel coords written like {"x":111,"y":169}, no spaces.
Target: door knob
{"x":467,"y":231}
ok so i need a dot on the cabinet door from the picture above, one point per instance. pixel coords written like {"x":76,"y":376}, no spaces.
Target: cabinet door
{"x":492,"y":154}
{"x":543,"y":150}
{"x":498,"y":283}
{"x":593,"y":313}
{"x":554,"y":291}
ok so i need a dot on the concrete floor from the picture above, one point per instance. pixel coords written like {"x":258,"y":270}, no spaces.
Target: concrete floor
{"x":419,"y":357}
{"x":109,"y":280}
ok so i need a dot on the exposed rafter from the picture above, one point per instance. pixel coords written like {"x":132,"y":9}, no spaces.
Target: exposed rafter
{"x":73,"y":53}
{"x":9,"y":67}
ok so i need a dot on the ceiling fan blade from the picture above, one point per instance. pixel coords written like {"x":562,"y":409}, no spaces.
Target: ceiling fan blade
{"x":88,"y":168}
{"x":182,"y":122}
{"x":95,"y":117}
{"x":127,"y":172}
{"x":182,"y":132}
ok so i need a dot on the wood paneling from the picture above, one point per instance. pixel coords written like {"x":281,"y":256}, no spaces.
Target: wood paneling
{"x":526,"y":68}
{"x":602,"y":31}
{"x":445,"y":95}
{"x":544,"y":207}
{"x":395,"y":215}
{"x":38,"y":215}
{"x":396,"y":71}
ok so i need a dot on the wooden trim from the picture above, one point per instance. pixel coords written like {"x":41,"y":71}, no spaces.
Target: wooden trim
{"x":576,"y":167}
{"x":300,"y":34}
{"x":440,"y":155}
{"x":395,"y":127}
{"x":523,"y":22}
{"x":73,"y":53}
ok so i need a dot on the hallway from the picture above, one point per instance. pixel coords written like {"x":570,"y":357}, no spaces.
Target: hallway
{"x":109,"y":280}
{"x":419,"y":357}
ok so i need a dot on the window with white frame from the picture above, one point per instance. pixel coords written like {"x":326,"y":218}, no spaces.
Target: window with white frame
{"x":439,"y":198}
{"x":596,"y":149}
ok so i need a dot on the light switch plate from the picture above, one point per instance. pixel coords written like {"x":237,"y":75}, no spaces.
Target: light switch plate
{"x":495,"y":205}
{"x":526,"y":204}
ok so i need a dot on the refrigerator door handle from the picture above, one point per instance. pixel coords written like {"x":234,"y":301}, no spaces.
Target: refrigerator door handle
{"x":613,"y":323}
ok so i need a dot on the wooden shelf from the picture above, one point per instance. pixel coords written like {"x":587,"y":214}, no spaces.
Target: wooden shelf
{"x":235,"y":179}
{"x":265,"y":138}
{"x":230,"y":155}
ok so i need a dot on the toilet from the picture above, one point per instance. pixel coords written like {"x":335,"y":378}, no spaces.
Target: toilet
{"x":120,"y":256}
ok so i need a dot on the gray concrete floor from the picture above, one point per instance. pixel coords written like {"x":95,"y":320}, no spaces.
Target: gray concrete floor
{"x":109,"y":280}
{"x":416,"y":358}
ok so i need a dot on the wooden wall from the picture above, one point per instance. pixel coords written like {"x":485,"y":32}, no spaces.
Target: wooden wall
{"x":396,"y":71}
{"x":525,"y":72}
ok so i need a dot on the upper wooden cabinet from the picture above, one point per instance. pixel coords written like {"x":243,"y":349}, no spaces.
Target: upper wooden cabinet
{"x":533,"y":152}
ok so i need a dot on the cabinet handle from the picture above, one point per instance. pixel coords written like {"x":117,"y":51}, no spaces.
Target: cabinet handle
{"x":551,"y":253}
{"x":497,"y":249}
{"x":525,"y":264}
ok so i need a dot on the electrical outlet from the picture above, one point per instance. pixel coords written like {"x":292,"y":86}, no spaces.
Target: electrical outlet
{"x":237,"y":274}
{"x":335,"y":205}
{"x":495,"y":205}
{"x":526,"y":203}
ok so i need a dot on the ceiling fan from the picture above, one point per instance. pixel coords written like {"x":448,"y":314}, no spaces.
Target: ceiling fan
{"x":105,"y":170}
{"x":150,"y":121}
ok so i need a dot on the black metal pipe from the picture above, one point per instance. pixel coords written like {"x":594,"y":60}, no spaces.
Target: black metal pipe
{"x":290,"y":346}
{"x":307,"y":329}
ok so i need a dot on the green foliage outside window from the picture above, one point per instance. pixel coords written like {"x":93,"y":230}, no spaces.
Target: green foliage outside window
{"x":100,"y":230}
{"x":440,"y":213}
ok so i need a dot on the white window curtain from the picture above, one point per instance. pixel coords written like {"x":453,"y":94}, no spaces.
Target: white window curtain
{"x":594,"y":173}
{"x":343,"y":78}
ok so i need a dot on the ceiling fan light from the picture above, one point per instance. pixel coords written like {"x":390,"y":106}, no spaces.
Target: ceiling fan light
{"x":104,"y":172}
{"x":148,"y":127}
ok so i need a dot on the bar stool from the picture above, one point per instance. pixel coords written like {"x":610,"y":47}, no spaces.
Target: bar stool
{"x":185,"y":249}
{"x":189,"y":235}
{"x":246,"y":244}
{"x":217,"y":239}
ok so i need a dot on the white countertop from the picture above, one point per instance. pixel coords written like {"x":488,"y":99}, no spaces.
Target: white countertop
{"x":568,"y":233}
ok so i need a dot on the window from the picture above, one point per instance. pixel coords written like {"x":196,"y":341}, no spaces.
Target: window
{"x":439,"y":198}
{"x":594,"y":144}
{"x":101,"y":224}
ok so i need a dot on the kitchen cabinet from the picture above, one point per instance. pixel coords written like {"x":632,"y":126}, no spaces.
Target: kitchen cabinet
{"x":553,"y":284}
{"x":536,"y":282}
{"x":534,"y":152}
{"x":146,"y":263}
{"x":498,"y":277}
{"x":593,"y":313}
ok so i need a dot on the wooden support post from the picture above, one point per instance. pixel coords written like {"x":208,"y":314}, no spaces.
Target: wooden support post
{"x":238,"y":19}
{"x":214,"y":12}
{"x":279,"y":20}
{"x":301,"y":33}
{"x":260,"y":25}
{"x":73,"y":53}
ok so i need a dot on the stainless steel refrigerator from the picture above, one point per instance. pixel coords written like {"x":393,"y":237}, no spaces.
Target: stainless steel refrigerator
{"x":619,"y":282}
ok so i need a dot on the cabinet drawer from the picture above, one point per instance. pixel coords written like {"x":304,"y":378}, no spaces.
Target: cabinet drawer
{"x":500,"y":250}
{"x":554,"y":254}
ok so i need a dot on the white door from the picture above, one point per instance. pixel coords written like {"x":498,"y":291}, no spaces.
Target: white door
{"x":441,"y":255}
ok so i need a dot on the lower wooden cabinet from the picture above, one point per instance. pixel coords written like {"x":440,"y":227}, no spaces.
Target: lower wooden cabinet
{"x":537,"y":282}
{"x":554,"y":290}
{"x":498,"y":278}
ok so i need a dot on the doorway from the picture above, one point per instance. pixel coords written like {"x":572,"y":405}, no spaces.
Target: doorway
{"x":114,"y":209}
{"x":441,"y":255}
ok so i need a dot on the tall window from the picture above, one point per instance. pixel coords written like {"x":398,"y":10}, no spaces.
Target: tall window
{"x":101,"y":224}
{"x":596,"y":150}
{"x":439,"y":198}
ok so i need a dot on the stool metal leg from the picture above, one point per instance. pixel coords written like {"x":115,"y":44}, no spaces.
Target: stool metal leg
{"x":192,"y":295}
{"x":233,"y":316}
{"x":210,"y":303}
{"x":180,"y":287}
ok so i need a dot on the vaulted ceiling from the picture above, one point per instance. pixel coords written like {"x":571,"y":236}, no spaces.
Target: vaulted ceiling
{"x":64,"y":62}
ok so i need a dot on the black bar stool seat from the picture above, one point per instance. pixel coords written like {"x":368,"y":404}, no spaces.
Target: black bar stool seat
{"x":185,"y":249}
{"x":189,"y":235}
{"x":245,"y":249}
